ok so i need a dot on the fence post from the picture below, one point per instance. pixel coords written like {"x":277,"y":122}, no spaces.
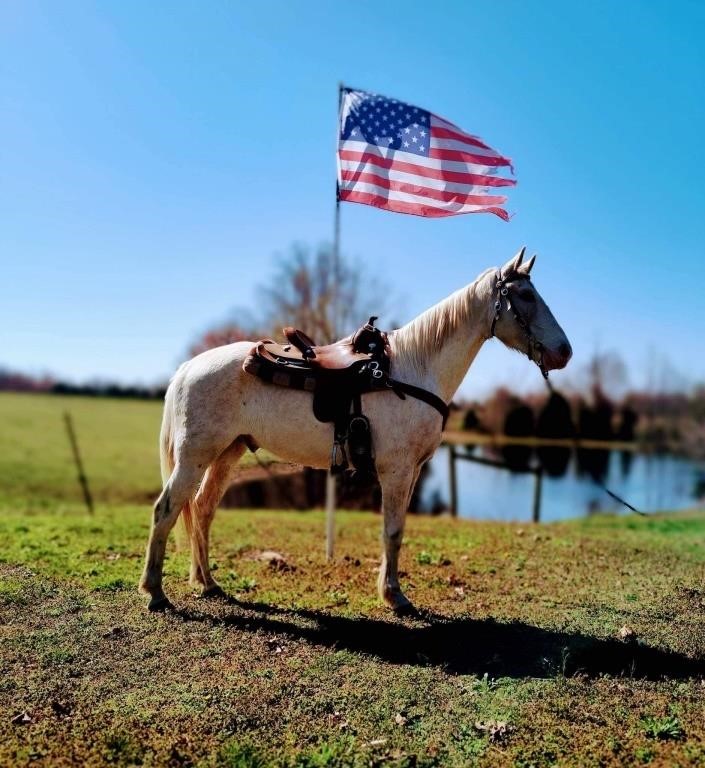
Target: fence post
{"x":453,"y":480}
{"x":82,"y":479}
{"x":536,"y":511}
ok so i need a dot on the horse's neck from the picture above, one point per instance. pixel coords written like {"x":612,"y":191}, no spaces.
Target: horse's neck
{"x":436,"y":349}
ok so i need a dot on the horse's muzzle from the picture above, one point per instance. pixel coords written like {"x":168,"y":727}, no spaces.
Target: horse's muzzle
{"x":558,"y":358}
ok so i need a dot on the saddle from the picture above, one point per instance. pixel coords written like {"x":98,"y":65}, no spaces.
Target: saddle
{"x":337,"y":375}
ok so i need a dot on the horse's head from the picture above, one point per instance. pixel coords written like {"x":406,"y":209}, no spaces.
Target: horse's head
{"x":522,"y":320}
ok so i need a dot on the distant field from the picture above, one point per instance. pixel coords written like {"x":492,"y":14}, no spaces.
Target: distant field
{"x":118,"y":440}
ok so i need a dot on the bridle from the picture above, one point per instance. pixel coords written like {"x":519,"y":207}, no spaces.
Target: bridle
{"x":533,"y":344}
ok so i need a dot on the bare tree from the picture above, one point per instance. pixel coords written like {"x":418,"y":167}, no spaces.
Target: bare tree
{"x":304,"y":292}
{"x":219,"y":336}
{"x":607,"y":374}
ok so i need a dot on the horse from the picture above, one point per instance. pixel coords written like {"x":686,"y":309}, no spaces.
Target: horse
{"x":214,"y":411}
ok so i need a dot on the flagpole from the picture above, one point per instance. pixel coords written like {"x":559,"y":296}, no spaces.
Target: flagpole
{"x":336,"y":229}
{"x":330,"y":478}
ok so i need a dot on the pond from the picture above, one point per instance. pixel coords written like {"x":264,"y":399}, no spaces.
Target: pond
{"x":649,"y":482}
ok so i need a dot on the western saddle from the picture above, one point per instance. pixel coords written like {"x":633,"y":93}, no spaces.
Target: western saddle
{"x":337,"y":375}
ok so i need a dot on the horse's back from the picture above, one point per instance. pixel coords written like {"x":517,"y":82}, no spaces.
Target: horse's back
{"x":202,"y":395}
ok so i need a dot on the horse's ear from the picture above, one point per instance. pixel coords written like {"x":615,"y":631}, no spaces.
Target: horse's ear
{"x":514,"y":263}
{"x":525,"y":269}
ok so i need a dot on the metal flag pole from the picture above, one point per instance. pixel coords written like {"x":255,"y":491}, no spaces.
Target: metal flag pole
{"x":330,"y":478}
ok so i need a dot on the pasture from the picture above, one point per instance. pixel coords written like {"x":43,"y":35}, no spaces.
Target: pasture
{"x":577,"y":643}
{"x":118,"y":441}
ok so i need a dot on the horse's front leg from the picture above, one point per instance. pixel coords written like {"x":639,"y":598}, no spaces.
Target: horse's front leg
{"x":396,"y":492}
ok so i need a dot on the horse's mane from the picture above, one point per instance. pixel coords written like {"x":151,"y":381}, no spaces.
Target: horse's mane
{"x":418,"y":339}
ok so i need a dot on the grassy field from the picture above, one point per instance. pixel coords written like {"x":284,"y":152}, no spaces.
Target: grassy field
{"x":118,"y":441}
{"x":516,"y":660}
{"x":574,"y":644}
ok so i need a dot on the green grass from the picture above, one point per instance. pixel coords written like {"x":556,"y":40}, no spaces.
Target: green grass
{"x":516,"y":660}
{"x":118,"y":441}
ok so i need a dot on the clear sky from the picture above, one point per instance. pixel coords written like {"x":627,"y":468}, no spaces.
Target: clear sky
{"x":154,"y":158}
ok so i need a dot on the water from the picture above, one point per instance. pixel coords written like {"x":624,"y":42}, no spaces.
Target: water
{"x":650,"y":483}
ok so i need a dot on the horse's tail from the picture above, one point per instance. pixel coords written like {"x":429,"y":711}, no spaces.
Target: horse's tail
{"x":167,"y":461}
{"x":166,"y":437}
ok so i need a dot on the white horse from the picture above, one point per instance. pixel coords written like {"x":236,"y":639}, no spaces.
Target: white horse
{"x":214,"y":411}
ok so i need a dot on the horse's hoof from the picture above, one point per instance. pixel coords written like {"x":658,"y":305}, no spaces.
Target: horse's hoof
{"x":398,"y":602}
{"x":406,"y":609}
{"x":160,"y":604}
{"x":214,"y":592}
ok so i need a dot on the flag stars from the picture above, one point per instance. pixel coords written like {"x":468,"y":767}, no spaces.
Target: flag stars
{"x":397,"y":126}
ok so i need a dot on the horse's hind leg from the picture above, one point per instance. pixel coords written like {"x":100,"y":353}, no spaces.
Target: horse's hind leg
{"x":177,"y":492}
{"x":215,"y":483}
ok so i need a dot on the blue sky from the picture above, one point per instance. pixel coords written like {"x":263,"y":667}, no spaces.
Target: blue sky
{"x":155,"y":157}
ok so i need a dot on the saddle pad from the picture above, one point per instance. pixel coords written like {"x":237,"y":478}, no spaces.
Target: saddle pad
{"x":297,"y":375}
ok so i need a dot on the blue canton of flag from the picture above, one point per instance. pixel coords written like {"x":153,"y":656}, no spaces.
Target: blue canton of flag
{"x":388,"y":123}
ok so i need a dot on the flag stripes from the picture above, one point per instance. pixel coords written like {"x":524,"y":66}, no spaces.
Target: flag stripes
{"x":401,"y":158}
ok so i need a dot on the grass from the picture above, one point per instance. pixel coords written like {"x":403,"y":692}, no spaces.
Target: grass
{"x":574,"y":644}
{"x":517,"y":659}
{"x":118,"y":441}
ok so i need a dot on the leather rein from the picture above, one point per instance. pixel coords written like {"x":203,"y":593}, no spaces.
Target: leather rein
{"x":533,"y":344}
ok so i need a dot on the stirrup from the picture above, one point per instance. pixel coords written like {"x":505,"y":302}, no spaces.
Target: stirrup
{"x":360,"y":445}
{"x":338,"y":459}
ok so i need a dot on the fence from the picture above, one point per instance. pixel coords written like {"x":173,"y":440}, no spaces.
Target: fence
{"x":453,"y":439}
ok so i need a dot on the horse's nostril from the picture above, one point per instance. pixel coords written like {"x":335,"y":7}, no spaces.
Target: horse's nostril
{"x":564,"y":350}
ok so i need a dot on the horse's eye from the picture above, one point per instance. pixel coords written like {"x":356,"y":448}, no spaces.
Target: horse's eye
{"x":527,"y":295}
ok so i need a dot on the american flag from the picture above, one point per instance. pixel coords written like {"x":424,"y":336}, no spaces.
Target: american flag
{"x":402,"y":158}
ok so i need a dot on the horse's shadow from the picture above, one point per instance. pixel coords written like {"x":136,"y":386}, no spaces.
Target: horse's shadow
{"x":461,"y":645}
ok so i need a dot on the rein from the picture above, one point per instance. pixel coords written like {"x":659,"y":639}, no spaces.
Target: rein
{"x":534,"y":345}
